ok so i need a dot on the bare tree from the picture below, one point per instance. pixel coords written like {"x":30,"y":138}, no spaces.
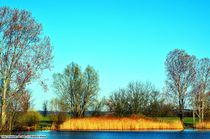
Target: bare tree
{"x":58,"y":105}
{"x":119,"y":103}
{"x":201,"y":87}
{"x":180,"y":68}
{"x":19,"y":104}
{"x":134,"y":99}
{"x":76,"y":88}
{"x":24,"y":53}
{"x":98,"y":106}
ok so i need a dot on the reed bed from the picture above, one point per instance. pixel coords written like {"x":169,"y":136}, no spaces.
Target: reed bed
{"x":203,"y":125}
{"x":121,"y":124}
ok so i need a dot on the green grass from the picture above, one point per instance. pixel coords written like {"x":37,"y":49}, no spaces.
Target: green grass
{"x":45,"y":119}
{"x":188,"y":121}
{"x":45,"y":122}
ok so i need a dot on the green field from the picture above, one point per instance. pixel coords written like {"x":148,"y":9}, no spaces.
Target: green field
{"x":45,"y":122}
{"x":188,"y":121}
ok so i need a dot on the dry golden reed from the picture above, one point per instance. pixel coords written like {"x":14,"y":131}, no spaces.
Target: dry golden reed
{"x":113,"y":123}
{"x":203,"y":125}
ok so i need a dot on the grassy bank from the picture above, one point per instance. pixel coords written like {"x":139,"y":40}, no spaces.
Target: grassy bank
{"x":45,"y":123}
{"x":188,"y":121}
{"x":114,"y":123}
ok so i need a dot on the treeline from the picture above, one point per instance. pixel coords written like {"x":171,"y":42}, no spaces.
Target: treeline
{"x":187,"y":84}
{"x":77,"y":93}
{"x":139,"y":98}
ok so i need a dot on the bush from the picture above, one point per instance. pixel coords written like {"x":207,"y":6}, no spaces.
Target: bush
{"x":134,"y":99}
{"x":31,"y":118}
{"x":98,"y":107}
{"x":58,"y":119}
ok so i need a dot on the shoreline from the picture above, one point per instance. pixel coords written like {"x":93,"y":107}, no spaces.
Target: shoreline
{"x":155,"y":130}
{"x":141,"y":130}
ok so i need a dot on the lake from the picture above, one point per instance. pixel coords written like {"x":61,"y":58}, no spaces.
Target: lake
{"x":187,"y":134}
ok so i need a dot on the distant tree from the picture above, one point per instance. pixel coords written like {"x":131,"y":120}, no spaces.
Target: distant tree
{"x":201,"y":87}
{"x":98,"y":106}
{"x":45,"y":109}
{"x":118,"y":103}
{"x":155,"y":102}
{"x":131,"y":100}
{"x":180,"y":68}
{"x":24,"y":53}
{"x":166,"y":110}
{"x":139,"y":94}
{"x":77,"y":89}
{"x":58,"y":105}
{"x":159,"y":106}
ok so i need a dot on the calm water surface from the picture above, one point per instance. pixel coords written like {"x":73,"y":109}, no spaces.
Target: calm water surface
{"x":187,"y":134}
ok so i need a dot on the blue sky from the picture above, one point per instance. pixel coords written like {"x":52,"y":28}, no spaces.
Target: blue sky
{"x":125,"y":40}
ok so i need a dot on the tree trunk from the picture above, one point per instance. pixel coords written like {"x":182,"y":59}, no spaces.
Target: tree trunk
{"x":3,"y":114}
{"x":181,"y":111}
{"x":199,"y":107}
{"x":10,"y":123}
{"x":193,"y":117}
{"x":202,"y":111}
{"x":4,"y":105}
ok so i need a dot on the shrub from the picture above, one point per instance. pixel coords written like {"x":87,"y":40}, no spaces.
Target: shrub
{"x":134,"y":99}
{"x":31,"y":118}
{"x":58,"y":119}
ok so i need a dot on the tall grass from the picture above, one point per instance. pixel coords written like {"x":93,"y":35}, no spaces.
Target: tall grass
{"x":113,"y":123}
{"x":203,"y":125}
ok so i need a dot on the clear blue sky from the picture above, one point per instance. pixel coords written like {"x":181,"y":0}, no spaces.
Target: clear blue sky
{"x":125,"y":40}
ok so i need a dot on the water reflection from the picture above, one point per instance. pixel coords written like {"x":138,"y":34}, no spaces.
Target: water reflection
{"x":187,"y":134}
